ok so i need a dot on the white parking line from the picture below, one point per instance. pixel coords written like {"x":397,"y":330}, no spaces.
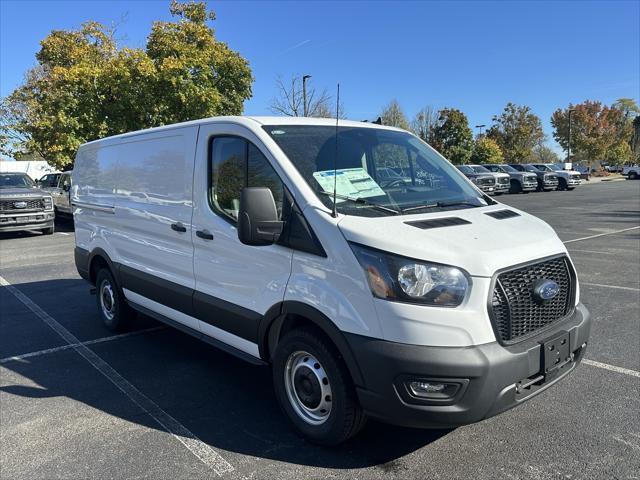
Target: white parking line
{"x":601,"y":235}
{"x":201,"y":450}
{"x":68,"y":346}
{"x":612,"y":368}
{"x":610,"y":286}
{"x":63,"y":233}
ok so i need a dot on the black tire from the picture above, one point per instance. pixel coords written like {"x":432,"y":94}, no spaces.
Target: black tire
{"x":49,"y":231}
{"x":633,"y":175}
{"x":562,"y":184}
{"x":516,"y":187}
{"x":344,"y":418}
{"x":571,"y":188}
{"x":112,"y":307}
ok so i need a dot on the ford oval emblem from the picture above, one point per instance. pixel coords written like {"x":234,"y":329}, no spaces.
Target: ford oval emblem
{"x":545,"y":289}
{"x":19,"y":204}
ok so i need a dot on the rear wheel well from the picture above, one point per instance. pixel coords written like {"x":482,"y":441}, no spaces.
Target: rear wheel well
{"x":97,"y":264}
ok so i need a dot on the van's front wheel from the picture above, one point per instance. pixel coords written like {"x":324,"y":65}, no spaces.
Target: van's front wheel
{"x":315,"y":389}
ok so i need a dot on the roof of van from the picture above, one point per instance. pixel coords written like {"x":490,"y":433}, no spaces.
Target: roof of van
{"x":251,"y":121}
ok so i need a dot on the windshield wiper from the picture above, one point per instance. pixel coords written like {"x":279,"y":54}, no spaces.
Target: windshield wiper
{"x":362,"y":201}
{"x":440,"y":204}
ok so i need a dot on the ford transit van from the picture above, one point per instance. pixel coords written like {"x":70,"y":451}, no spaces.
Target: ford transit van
{"x":411,"y":297}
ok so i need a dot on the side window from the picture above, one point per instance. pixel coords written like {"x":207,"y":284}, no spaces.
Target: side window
{"x":234,"y":164}
{"x":65,"y":182}
{"x":260,"y":173}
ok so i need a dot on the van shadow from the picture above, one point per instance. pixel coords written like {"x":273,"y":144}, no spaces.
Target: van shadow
{"x":226,"y":402}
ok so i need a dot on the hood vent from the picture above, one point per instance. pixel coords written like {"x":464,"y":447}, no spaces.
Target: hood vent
{"x":438,"y":223}
{"x":502,"y":214}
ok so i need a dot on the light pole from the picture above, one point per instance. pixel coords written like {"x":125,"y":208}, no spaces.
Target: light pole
{"x":305,"y":107}
{"x":480,"y":127}
{"x":569,"y":145}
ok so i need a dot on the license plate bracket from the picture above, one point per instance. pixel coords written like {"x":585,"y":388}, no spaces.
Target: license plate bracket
{"x":555,"y":353}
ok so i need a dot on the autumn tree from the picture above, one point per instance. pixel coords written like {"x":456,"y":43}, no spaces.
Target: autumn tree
{"x":393,"y":116}
{"x":289,"y":100}
{"x":424,"y":122}
{"x":598,"y":132}
{"x":452,"y":137}
{"x":517,"y":130}
{"x":486,"y":150}
{"x":85,"y":87}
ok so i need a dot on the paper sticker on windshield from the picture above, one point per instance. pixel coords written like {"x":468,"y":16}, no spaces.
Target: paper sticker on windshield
{"x":352,"y":182}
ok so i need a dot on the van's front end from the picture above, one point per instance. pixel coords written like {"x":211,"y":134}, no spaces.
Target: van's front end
{"x":453,"y":307}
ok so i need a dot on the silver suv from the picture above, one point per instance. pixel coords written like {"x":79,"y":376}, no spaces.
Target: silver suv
{"x":567,"y":179}
{"x":519,"y":182}
{"x":547,"y":181}
{"x":502,"y":179}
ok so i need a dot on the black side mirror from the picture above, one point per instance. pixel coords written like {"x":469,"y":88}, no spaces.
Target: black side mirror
{"x":258,"y":222}
{"x":66,"y":187}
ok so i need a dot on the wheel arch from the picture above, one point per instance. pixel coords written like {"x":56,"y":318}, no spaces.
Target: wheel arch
{"x":287,"y":315}
{"x":97,"y":259}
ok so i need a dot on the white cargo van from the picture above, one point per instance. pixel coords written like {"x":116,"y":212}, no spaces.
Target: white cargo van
{"x":410,"y":297}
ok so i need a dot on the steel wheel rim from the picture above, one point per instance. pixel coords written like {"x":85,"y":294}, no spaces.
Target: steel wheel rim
{"x":107,"y":300}
{"x":308,"y":388}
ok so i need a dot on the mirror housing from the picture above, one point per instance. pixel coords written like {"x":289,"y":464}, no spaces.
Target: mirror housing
{"x":66,"y":187}
{"x":258,"y":223}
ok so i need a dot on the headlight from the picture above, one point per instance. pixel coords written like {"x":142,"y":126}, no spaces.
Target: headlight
{"x":401,"y":279}
{"x":48,"y":203}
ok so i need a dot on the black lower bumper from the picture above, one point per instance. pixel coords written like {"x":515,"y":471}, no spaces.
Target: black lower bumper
{"x":491,"y":378}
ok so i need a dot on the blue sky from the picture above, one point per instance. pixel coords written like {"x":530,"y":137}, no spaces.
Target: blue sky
{"x":475,"y":56}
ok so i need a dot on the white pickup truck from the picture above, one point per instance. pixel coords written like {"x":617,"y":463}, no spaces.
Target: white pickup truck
{"x":632,"y":172}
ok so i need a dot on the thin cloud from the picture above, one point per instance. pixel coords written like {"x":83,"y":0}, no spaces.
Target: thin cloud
{"x":298,"y":45}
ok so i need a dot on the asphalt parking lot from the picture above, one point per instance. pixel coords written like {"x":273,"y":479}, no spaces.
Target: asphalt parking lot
{"x":78,"y":402}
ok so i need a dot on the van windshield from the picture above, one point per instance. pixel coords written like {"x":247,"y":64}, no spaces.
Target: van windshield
{"x":377,"y":171}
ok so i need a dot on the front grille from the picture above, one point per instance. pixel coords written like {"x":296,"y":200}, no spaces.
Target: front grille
{"x":575,"y":177}
{"x":486,"y":181}
{"x":516,"y":312}
{"x":31,"y":205}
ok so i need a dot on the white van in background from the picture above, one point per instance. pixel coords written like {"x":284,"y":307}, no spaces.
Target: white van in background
{"x":417,"y":300}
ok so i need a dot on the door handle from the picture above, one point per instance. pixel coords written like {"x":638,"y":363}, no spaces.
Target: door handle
{"x":204,"y":234}
{"x":178,"y":227}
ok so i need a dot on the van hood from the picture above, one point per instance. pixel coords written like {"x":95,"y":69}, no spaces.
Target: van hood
{"x":481,"y":247}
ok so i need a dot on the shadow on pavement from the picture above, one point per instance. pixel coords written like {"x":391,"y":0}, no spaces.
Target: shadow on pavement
{"x":226,"y":402}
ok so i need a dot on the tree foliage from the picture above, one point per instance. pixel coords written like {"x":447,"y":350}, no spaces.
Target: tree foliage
{"x":393,"y":116}
{"x":486,"y":150}
{"x":598,"y":132}
{"x":543,"y":154}
{"x":517,"y":131}
{"x":424,"y":122}
{"x":84,"y":87}
{"x":452,"y":137}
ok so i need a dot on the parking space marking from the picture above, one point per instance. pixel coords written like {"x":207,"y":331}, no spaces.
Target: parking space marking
{"x":612,"y":368}
{"x":197,"y":447}
{"x":610,"y":286}
{"x":593,"y":251}
{"x":63,"y":233}
{"x":601,"y":235}
{"x":68,"y":346}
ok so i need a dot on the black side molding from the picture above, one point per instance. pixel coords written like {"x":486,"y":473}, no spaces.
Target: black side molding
{"x":438,"y":223}
{"x":502,"y":214}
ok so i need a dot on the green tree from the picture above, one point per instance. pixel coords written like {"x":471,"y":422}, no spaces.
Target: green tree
{"x":517,"y":130}
{"x":543,"y":154}
{"x":84,"y":87}
{"x":486,"y":150}
{"x":597,"y":131}
{"x":393,"y":116}
{"x":452,"y":137}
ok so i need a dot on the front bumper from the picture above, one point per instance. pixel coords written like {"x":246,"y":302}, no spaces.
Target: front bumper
{"x":502,"y":187}
{"x":13,"y":222}
{"x":491,"y":376}
{"x":530,"y":186}
{"x":487,"y":188}
{"x":573,"y":182}
{"x":550,"y":183}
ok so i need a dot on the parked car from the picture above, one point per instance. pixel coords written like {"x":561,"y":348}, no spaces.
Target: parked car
{"x":632,"y":172}
{"x":547,"y":181}
{"x":583,"y":170}
{"x":59,"y":186}
{"x":567,"y":179}
{"x":484,"y":181}
{"x":23,"y":206}
{"x":520,"y":182}
{"x":407,"y":303}
{"x":503,"y":183}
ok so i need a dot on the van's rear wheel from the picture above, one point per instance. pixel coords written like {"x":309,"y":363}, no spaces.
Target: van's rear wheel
{"x":112,"y":307}
{"x":315,"y":389}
